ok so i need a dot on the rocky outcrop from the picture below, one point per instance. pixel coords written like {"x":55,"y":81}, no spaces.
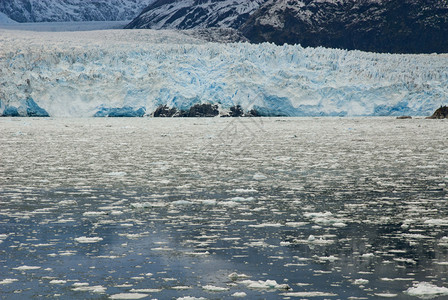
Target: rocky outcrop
{"x":164,"y":111}
{"x":203,"y":110}
{"x":440,"y":113}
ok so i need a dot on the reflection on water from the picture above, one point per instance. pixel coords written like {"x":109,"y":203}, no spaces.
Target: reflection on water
{"x":298,"y":208}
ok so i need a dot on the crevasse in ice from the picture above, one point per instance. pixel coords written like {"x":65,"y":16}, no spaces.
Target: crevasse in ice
{"x":80,"y":74}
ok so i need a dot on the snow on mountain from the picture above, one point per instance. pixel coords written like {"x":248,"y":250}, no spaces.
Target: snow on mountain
{"x":82,"y":73}
{"x":396,"y":26}
{"x":72,"y":10}
{"x":5,"y":20}
{"x":188,"y":14}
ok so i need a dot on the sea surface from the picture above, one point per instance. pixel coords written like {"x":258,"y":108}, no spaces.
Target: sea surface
{"x":223,"y":208}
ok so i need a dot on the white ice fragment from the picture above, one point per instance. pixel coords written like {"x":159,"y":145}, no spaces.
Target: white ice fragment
{"x":117,"y":174}
{"x":94,"y":213}
{"x":266,"y":225}
{"x":426,"y":290}
{"x":386,"y":295}
{"x":67,"y":202}
{"x":191,"y":298}
{"x":26,"y":268}
{"x":242,"y":199}
{"x":150,"y":291}
{"x":296,"y":224}
{"x":8,"y":281}
{"x":181,"y":203}
{"x":88,"y":240}
{"x":309,"y":294}
{"x":330,"y":258}
{"x":259,"y":176}
{"x":181,"y":287}
{"x":94,"y":289}
{"x":265,"y":285}
{"x":244,"y":191}
{"x":436,"y":222}
{"x":55,"y":281}
{"x":239,"y":295}
{"x":128,"y":296}
{"x":360,"y":281}
{"x":148,"y":204}
{"x":235,"y":276}
{"x":367,"y":255}
{"x":213,"y":288}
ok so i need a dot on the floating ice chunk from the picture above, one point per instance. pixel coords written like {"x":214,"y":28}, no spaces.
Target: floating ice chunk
{"x":191,"y":298}
{"x":426,"y":290}
{"x":94,"y":213}
{"x":308,"y":294}
{"x":437,"y":222}
{"x":396,"y":279}
{"x":8,"y":281}
{"x":208,"y":202}
{"x":78,"y":284}
{"x":181,"y":287}
{"x":148,"y":204}
{"x":243,"y":191}
{"x":242,"y":199}
{"x":84,"y":287}
{"x":235,"y":276}
{"x":257,"y":244}
{"x":181,"y":203}
{"x":198,"y":253}
{"x":88,"y":240}
{"x":330,"y":258}
{"x":150,"y":291}
{"x":386,"y":295}
{"x":55,"y":281}
{"x":367,"y":255}
{"x":117,"y":174}
{"x":259,"y":176}
{"x":265,"y":285}
{"x":239,"y":295}
{"x":213,"y":288}
{"x":266,"y":225}
{"x":26,"y":268}
{"x":296,"y":224}
{"x":67,"y":202}
{"x":129,"y":296}
{"x":360,"y":281}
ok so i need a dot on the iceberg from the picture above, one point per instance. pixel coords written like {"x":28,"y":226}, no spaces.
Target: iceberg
{"x":123,"y":112}
{"x":120,"y":72}
{"x":28,"y":108}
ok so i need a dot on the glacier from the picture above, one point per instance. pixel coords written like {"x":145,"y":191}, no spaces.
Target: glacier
{"x":78,"y":74}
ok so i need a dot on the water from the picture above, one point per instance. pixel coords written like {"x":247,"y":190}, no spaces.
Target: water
{"x":168,"y":208}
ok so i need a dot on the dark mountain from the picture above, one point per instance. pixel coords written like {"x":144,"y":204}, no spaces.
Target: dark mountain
{"x":72,"y":10}
{"x":398,"y":26}
{"x":193,"y":14}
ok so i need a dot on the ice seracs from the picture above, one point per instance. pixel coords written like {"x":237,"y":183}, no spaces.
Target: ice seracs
{"x":118,"y":73}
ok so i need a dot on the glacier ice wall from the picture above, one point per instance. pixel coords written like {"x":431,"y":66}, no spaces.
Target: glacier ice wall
{"x":78,"y":73}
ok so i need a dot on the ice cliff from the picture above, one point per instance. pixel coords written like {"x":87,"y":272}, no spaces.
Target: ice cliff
{"x":80,"y":74}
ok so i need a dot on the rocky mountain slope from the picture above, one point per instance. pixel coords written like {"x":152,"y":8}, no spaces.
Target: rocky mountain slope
{"x":398,"y":26}
{"x":189,"y":14}
{"x":72,"y":10}
{"x":5,"y":20}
